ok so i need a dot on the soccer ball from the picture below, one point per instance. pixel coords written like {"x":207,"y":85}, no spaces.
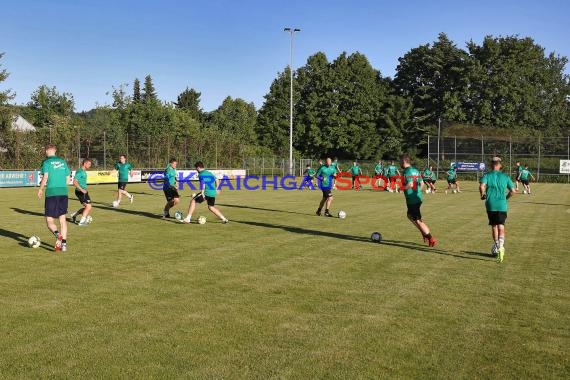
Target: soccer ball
{"x":341,"y":214}
{"x":34,"y":242}
{"x":454,"y":191}
{"x":89,"y":219}
{"x":428,"y":191}
{"x":178,"y":215}
{"x":524,"y":191}
{"x":115,"y":204}
{"x":376,"y":237}
{"x":201,"y":220}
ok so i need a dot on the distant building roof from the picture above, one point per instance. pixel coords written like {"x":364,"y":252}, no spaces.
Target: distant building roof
{"x":22,"y":125}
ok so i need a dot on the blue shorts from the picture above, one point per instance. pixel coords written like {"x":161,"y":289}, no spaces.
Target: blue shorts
{"x":56,"y":206}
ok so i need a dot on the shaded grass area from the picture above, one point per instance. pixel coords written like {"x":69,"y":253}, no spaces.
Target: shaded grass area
{"x":282,"y":293}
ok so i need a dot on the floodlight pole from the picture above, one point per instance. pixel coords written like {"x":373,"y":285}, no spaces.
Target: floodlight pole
{"x":291,"y":31}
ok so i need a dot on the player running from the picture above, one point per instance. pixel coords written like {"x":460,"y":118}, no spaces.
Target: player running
{"x":378,"y":171}
{"x":523,"y":178}
{"x":519,"y":168}
{"x":391,"y":172}
{"x":80,"y":183}
{"x":355,"y":171}
{"x":452,"y":183}
{"x":56,"y":175}
{"x":337,"y":169}
{"x":413,"y":193}
{"x":169,"y":187}
{"x":124,"y":168}
{"x":209,"y":189}
{"x":309,"y":177}
{"x":325,"y":176}
{"x":427,"y":177}
{"x":495,"y":188}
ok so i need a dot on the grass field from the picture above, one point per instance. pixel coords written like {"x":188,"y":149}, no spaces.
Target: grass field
{"x":282,"y":293}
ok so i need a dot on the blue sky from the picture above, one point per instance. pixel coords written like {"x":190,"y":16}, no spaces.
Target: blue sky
{"x":236,"y":48}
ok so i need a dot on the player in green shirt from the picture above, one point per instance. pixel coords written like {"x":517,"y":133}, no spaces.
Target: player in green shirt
{"x":452,"y":183}
{"x":310,"y":175}
{"x":495,"y":188}
{"x":413,"y":193}
{"x":169,"y":187}
{"x":519,"y":168}
{"x":391,"y":172}
{"x":325,"y":174}
{"x":55,"y":177}
{"x":80,"y":183}
{"x":523,"y":178}
{"x":337,"y":169}
{"x":379,"y":171}
{"x":355,"y":171}
{"x":209,"y":189}
{"x":124,"y":168}
{"x":427,"y":177}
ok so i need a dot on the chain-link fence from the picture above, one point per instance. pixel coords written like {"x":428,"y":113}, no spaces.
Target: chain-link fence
{"x":541,"y":155}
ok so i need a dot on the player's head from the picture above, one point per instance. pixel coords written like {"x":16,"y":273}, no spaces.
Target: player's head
{"x":405,"y":160}
{"x":308,"y":166}
{"x":518,"y":163}
{"x":50,"y":150}
{"x":328,"y":161}
{"x":392,"y":162}
{"x":496,"y":163}
{"x":173,"y":162}
{"x":199,"y":166}
{"x":431,"y":167}
{"x":122,"y":158}
{"x":86,"y":163}
{"x":355,"y":163}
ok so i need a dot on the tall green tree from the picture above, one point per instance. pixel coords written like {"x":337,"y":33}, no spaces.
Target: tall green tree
{"x":149,"y":93}
{"x":235,"y":117}
{"x":48,"y":101}
{"x":136,"y":91}
{"x":189,"y":100}
{"x":5,"y":95}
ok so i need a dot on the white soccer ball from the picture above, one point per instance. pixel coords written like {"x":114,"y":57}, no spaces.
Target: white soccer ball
{"x":376,"y":237}
{"x":89,"y":219}
{"x":178,"y":215}
{"x":115,"y":204}
{"x":454,"y":191}
{"x":34,"y":242}
{"x":524,"y":191}
{"x":341,"y":214}
{"x":201,"y":220}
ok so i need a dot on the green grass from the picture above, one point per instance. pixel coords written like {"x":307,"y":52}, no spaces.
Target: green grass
{"x":281,"y":293}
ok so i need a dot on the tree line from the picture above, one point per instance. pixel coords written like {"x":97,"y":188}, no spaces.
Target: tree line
{"x":344,"y":107}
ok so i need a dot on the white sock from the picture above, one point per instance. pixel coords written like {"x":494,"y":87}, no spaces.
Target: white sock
{"x":82,"y":220}
{"x":128,"y":195}
{"x":501,"y":242}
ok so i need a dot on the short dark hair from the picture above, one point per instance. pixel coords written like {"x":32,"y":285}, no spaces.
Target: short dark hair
{"x":122,"y":155}
{"x":172,"y":160}
{"x":406,"y":158}
{"x":86,"y":160}
{"x":50,"y":146}
{"x":199,"y":164}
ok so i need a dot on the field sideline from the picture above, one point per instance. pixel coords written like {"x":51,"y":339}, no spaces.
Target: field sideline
{"x":282,"y":293}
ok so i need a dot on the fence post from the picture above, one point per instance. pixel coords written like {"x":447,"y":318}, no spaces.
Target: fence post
{"x":148,"y":164}
{"x":78,"y":148}
{"x":568,"y":156}
{"x":538,"y":169}
{"x":104,"y":150}
{"x":482,"y":149}
{"x":455,"y":149}
{"x":428,"y":153}
{"x":510,"y":154}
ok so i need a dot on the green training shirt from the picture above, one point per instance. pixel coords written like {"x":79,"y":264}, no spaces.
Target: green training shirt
{"x":57,"y":171}
{"x":169,"y":176}
{"x":414,"y":194}
{"x":427,"y":174}
{"x":124,"y":170}
{"x":81,"y":178}
{"x":525,"y":173}
{"x":378,"y":169}
{"x":451,"y":174}
{"x":497,"y":184}
{"x":327,"y":173}
{"x":355,"y":170}
{"x":208,"y":182}
{"x":392,"y":170}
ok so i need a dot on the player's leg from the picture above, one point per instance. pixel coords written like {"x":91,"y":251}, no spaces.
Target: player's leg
{"x":501,"y":239}
{"x":457,"y":186}
{"x":126,"y":193}
{"x":63,"y":226}
{"x":323,"y":201}
{"x":52,"y":227}
{"x":328,"y":203}
{"x":191,"y":208}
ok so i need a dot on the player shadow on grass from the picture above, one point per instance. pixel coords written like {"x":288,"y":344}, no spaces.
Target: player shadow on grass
{"x":264,"y":209}
{"x":104,"y":206}
{"x":27,"y":212}
{"x":542,"y":203}
{"x":22,"y":240}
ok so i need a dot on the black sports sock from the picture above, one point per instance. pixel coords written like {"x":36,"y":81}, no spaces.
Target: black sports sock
{"x":56,"y":233}
{"x":64,"y":241}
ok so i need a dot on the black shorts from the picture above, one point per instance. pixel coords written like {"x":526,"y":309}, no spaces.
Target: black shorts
{"x":171,"y":193}
{"x":414,"y":211}
{"x":84,"y":199}
{"x":433,"y":181}
{"x":524,"y":182}
{"x":122,"y":185}
{"x":327,"y":193}
{"x":211,"y":201}
{"x":56,"y":206}
{"x":451,"y":181}
{"x":428,"y":180}
{"x":497,"y":217}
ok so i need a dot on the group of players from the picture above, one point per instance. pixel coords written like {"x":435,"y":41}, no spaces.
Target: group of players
{"x":56,"y":176}
{"x":495,"y":188}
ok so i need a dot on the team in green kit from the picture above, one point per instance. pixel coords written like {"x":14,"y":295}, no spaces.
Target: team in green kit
{"x":495,"y":189}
